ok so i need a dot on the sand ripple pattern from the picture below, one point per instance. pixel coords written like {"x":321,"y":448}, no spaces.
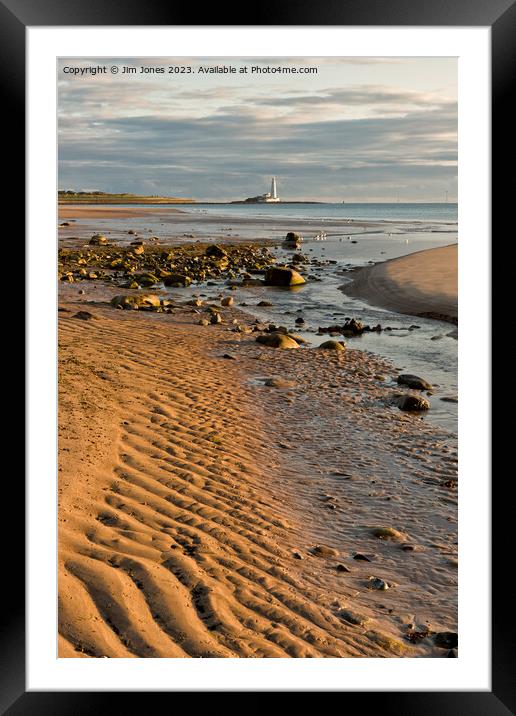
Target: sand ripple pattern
{"x":180,"y":507}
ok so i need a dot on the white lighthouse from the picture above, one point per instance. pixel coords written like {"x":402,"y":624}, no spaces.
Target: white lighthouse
{"x":269,"y":198}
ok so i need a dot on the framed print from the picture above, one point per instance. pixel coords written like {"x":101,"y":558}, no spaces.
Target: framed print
{"x":259,"y":450}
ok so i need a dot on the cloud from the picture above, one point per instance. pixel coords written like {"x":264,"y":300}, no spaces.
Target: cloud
{"x":223,"y":142}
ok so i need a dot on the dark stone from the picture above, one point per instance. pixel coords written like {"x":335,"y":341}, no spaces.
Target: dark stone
{"x":83,"y":315}
{"x":446,"y":640}
{"x":177,"y":280}
{"x":413,"y":381}
{"x":413,"y":403}
{"x":216,"y":251}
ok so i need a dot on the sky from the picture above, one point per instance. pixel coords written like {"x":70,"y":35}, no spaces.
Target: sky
{"x":360,"y":129}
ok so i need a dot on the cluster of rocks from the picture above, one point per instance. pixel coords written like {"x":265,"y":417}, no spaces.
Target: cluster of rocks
{"x":141,"y":265}
{"x":351,"y":327}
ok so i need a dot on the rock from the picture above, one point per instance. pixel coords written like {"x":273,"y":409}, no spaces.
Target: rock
{"x":413,"y":403}
{"x":282,"y":276}
{"x":363,"y":557}
{"x":98,"y":240}
{"x":292,"y":240}
{"x":177,"y":280}
{"x":449,"y":399}
{"x":353,"y":327}
{"x":131,"y":231}
{"x":216,"y":251}
{"x":215,"y":318}
{"x":297,"y":555}
{"x":300,"y":321}
{"x":413,"y":381}
{"x":417,"y":633}
{"x":279,"y":383}
{"x":83,"y":315}
{"x":228,"y":356}
{"x":377,"y":583}
{"x":146,"y":279}
{"x":446,"y":639}
{"x":138,"y":250}
{"x":277,"y":340}
{"x":136,"y":300}
{"x":265,"y":303}
{"x":204,"y":322}
{"x":388,"y":533}
{"x":227,"y":301}
{"x":452,"y":654}
{"x":342,"y":568}
{"x":333,"y":345}
{"x":353,"y":617}
{"x":322,"y":550}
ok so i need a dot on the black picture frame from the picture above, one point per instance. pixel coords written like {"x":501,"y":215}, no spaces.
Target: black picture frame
{"x":500,"y":16}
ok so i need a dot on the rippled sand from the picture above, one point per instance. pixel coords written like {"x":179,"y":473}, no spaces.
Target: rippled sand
{"x":192,"y":496}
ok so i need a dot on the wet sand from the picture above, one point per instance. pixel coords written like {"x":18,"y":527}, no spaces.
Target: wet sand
{"x":74,"y":211}
{"x":422,"y":283}
{"x":192,"y":496}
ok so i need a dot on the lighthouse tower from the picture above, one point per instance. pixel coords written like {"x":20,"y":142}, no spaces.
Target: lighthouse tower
{"x":274,"y":195}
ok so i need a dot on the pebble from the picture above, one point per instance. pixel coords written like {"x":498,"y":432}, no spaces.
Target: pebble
{"x":322,"y":550}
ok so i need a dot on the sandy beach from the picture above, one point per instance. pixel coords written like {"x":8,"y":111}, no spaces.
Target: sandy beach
{"x":75,"y":211}
{"x":203,"y":513}
{"x":422,"y":283}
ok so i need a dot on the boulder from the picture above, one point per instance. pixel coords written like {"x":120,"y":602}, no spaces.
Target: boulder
{"x":413,"y":402}
{"x":333,"y":345}
{"x":414,"y":381}
{"x":227,"y":301}
{"x":282,"y":276}
{"x":277,"y":340}
{"x":136,"y":300}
